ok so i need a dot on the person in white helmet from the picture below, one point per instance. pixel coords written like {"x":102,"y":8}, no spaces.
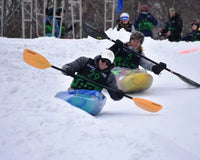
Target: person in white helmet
{"x":125,"y":23}
{"x":97,"y":70}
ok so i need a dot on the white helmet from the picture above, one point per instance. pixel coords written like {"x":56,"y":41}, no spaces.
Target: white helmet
{"x":108,"y":54}
{"x":124,"y":15}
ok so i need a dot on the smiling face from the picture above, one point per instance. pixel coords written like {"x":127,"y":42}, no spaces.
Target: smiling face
{"x":135,"y":43}
{"x":194,"y":27}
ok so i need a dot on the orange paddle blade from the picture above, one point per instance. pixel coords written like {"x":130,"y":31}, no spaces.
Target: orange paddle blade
{"x":147,"y":105}
{"x":35,"y":59}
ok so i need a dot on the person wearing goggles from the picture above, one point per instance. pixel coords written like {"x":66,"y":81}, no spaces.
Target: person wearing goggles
{"x":125,"y":23}
{"x":98,"y":70}
{"x":194,"y":35}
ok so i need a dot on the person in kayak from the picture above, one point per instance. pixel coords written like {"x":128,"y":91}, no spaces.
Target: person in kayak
{"x":125,"y":54}
{"x":97,"y":70}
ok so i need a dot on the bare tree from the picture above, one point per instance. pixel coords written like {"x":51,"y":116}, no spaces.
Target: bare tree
{"x":93,"y":13}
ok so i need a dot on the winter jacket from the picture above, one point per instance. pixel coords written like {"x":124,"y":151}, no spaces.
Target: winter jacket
{"x":128,"y":59}
{"x":128,"y":27}
{"x":89,"y":69}
{"x":49,"y":25}
{"x":144,"y":23}
{"x":175,"y":26}
{"x":193,"y":36}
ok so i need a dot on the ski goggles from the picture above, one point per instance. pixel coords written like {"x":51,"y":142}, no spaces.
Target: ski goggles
{"x":194,"y":22}
{"x":124,"y":18}
{"x":104,"y":60}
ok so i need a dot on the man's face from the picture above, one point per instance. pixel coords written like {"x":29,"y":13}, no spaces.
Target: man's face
{"x":104,"y":63}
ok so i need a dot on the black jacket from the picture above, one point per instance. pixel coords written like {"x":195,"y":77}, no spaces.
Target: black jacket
{"x":193,"y":36}
{"x":175,"y":26}
{"x":128,"y":27}
{"x":127,"y":58}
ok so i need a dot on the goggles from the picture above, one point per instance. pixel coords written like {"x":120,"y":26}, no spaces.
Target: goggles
{"x":194,"y":22}
{"x":104,"y":60}
{"x":124,"y":18}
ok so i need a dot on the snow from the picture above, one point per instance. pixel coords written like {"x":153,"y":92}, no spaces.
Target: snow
{"x":35,"y":125}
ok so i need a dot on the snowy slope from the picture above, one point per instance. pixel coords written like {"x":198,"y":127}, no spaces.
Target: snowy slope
{"x":36,"y":126}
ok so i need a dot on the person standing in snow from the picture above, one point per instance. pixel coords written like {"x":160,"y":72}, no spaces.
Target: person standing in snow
{"x":173,"y":27}
{"x":59,"y":27}
{"x":125,"y":23}
{"x":126,"y":58}
{"x":195,"y":34}
{"x":97,"y":70}
{"x":49,"y":24}
{"x":145,"y":21}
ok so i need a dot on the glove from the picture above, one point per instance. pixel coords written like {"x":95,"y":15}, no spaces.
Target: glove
{"x":120,"y":94}
{"x":158,"y":67}
{"x":119,"y":43}
{"x":68,"y":70}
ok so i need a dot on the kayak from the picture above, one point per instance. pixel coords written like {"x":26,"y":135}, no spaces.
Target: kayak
{"x":91,"y":101}
{"x":132,"y":80}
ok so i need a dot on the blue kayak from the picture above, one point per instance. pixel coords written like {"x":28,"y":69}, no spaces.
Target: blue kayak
{"x":91,"y":101}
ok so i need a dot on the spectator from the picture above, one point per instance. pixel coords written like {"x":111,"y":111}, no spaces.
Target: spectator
{"x":173,"y":27}
{"x":125,"y":23}
{"x":195,"y":34}
{"x":145,"y":21}
{"x":49,"y":24}
{"x":58,"y":27}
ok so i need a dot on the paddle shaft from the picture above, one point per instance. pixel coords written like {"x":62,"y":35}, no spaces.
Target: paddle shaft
{"x":36,"y":60}
{"x":91,"y":81}
{"x":146,"y":58}
{"x":185,"y":79}
{"x":99,"y":34}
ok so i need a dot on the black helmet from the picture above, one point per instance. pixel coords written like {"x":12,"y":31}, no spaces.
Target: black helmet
{"x":49,"y":11}
{"x":137,"y":35}
{"x":59,"y":10}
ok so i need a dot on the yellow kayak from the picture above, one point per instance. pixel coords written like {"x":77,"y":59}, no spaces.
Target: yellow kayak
{"x":132,"y":80}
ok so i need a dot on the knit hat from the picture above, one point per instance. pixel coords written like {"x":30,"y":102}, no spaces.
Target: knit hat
{"x":172,"y":11}
{"x":59,"y":10}
{"x":137,"y":35}
{"x":144,"y":8}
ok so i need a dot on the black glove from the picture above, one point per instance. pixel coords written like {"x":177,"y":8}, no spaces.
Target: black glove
{"x":158,"y":67}
{"x":120,"y":93}
{"x":68,"y":70}
{"x":119,"y":43}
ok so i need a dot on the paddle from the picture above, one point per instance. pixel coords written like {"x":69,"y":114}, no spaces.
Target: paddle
{"x":36,"y":60}
{"x":100,"y":34}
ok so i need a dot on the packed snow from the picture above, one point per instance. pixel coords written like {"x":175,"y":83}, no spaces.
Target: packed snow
{"x":34,"y":125}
